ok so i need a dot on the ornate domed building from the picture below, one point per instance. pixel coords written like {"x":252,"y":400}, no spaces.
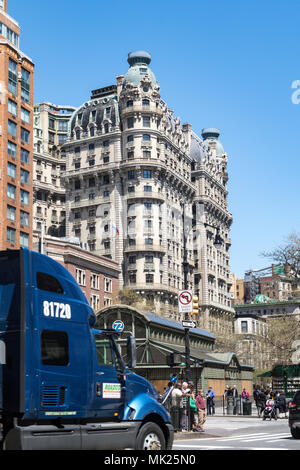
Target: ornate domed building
{"x":141,"y":188}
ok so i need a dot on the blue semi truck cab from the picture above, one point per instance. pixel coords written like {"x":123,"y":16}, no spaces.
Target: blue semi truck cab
{"x":63,"y":383}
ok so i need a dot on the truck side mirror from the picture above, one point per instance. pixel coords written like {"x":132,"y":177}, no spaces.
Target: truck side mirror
{"x":131,"y":352}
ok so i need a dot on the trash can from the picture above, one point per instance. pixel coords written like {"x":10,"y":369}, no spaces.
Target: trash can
{"x":247,"y":408}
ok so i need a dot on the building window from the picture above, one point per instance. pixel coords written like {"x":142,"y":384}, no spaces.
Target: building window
{"x":12,"y":77}
{"x":80,"y":277}
{"x":146,"y":137}
{"x":147,"y":173}
{"x":11,"y":213}
{"x":24,"y":240}
{"x":130,"y":123}
{"x":24,"y":176}
{"x":130,"y":138}
{"x":146,"y":102}
{"x":106,"y":193}
{"x":11,"y":191}
{"x":24,"y":197}
{"x":146,"y":121}
{"x":129,"y":103}
{"x":244,"y":326}
{"x":24,"y":218}
{"x":95,"y":281}
{"x":131,"y":174}
{"x":148,"y":241}
{"x":11,"y":235}
{"x":25,"y":135}
{"x":25,"y":85}
{"x":11,"y":170}
{"x":12,"y":107}
{"x":95,"y":302}
{"x":147,"y":189}
{"x":106,"y":128}
{"x":62,"y":125}
{"x":12,"y":149}
{"x":24,"y":156}
{"x":107,"y":284}
{"x":149,"y":278}
{"x":25,"y":115}
{"x":107,"y":301}
{"x":77,"y":184}
{"x":12,"y":128}
{"x":62,"y":138}
{"x":131,"y":189}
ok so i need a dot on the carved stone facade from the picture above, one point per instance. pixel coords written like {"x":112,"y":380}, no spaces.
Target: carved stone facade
{"x":143,"y":189}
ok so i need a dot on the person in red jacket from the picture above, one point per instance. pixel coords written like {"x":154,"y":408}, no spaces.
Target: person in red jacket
{"x":201,"y":407}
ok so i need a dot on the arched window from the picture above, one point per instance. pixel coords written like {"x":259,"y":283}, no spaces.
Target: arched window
{"x":146,"y":102}
{"x":77,"y":134}
{"x":146,"y":137}
{"x":106,"y":128}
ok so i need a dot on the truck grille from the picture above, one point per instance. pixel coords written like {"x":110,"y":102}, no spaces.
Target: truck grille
{"x":53,"y":396}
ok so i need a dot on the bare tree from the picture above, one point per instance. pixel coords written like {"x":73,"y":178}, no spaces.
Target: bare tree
{"x":287,"y":254}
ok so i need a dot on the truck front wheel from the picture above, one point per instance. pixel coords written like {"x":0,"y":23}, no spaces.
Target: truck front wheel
{"x":295,"y":433}
{"x":150,"y":437}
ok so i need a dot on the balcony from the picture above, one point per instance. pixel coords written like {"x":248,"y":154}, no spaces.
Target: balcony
{"x":153,"y":286}
{"x":144,"y":247}
{"x":145,"y":195}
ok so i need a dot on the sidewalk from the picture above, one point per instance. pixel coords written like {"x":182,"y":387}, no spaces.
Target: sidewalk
{"x":219,"y":412}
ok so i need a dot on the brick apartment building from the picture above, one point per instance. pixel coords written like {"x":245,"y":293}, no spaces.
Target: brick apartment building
{"x":97,"y":276}
{"x":16,"y":144}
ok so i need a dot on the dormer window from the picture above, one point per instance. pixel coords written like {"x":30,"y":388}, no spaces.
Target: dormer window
{"x":143,"y":70}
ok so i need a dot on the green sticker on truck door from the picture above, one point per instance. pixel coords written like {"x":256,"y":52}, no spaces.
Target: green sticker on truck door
{"x":111,"y":390}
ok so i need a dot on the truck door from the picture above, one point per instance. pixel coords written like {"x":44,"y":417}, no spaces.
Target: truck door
{"x":108,"y":393}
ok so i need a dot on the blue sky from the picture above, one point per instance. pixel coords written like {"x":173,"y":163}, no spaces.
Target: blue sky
{"x":226,"y":64}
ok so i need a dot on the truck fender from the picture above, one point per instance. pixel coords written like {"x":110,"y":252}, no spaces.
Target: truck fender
{"x":144,"y":405}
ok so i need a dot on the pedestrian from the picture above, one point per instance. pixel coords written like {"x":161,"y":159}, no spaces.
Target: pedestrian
{"x":166,"y":397}
{"x":184,"y":416}
{"x":210,"y":399}
{"x":245,"y":395}
{"x":280,"y":403}
{"x":235,"y":393}
{"x":176,"y":407}
{"x":256,"y":394}
{"x":261,"y":402}
{"x":192,"y":409}
{"x":200,"y":403}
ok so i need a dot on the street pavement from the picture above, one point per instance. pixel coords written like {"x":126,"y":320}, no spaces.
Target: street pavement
{"x":238,"y":433}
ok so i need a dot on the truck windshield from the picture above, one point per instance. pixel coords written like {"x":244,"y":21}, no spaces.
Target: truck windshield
{"x":108,"y":353}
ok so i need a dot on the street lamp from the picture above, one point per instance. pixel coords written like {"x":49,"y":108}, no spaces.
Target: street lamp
{"x":218,"y":241}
